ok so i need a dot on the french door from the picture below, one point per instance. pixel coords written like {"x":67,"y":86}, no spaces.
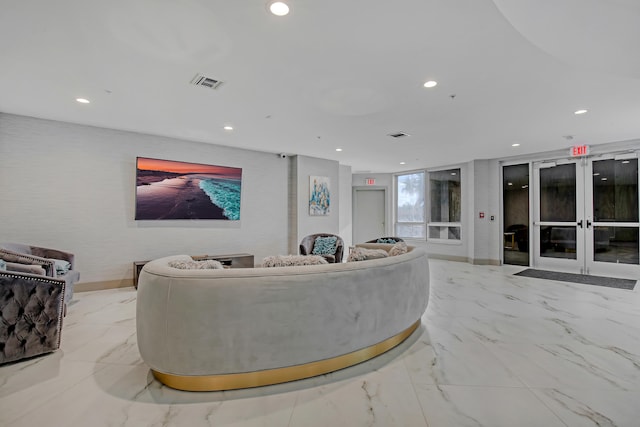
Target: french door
{"x":586,"y":216}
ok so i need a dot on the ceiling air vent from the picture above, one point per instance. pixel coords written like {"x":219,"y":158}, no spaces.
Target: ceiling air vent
{"x":200,"y":80}
{"x":398,"y":135}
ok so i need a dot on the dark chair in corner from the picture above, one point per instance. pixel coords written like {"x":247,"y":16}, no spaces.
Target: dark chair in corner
{"x":31,"y":308}
{"x":390,"y":239}
{"x":48,"y":262}
{"x":308,"y":247}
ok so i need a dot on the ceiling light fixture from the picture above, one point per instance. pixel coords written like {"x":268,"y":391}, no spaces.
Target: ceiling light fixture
{"x":579,"y":112}
{"x":279,"y":8}
{"x":228,"y":128}
{"x":338,"y":149}
{"x":83,"y":100}
{"x":515,"y":145}
{"x":403,"y":163}
{"x":430,"y":83}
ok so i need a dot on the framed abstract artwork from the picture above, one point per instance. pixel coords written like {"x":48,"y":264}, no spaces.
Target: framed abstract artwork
{"x":319,"y":195}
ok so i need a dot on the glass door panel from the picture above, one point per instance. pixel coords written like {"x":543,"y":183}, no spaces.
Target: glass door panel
{"x":515,"y":201}
{"x":558,"y":193}
{"x":613,"y":224}
{"x":586,"y":216}
{"x":558,"y":229}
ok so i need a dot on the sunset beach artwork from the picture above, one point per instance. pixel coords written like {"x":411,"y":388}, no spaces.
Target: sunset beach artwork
{"x":167,"y":189}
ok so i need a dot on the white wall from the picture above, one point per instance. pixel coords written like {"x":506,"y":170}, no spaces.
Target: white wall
{"x":345,"y":222}
{"x":73,"y":187}
{"x":307,"y":224}
{"x":486,"y":199}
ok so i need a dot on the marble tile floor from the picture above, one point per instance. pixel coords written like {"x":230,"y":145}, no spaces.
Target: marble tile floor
{"x":493,"y":350}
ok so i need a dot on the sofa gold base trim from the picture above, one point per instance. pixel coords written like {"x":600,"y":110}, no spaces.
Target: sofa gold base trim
{"x":281,"y":375}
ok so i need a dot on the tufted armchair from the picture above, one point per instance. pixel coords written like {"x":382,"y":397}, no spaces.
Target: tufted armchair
{"x":44,"y":261}
{"x":31,"y":311}
{"x":307,"y":246}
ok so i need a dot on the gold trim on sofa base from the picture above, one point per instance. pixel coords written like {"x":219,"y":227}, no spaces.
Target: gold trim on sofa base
{"x":281,"y":375}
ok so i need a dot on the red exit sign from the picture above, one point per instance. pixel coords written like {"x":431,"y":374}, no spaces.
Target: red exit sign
{"x":370,"y":181}
{"x":579,"y":150}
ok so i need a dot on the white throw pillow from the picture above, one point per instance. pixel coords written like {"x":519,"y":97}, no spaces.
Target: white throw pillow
{"x":363,"y":254}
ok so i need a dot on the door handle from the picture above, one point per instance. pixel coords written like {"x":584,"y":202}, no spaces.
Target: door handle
{"x":580,"y":223}
{"x":588,"y":224}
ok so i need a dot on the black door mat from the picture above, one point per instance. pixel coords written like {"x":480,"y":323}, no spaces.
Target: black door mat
{"x":609,"y":282}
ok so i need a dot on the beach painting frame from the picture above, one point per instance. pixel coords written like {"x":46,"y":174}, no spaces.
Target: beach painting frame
{"x":319,"y":195}
{"x":168,"y":189}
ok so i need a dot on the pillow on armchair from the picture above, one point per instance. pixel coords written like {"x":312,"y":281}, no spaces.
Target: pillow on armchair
{"x":324,"y":245}
{"x":62,"y":266}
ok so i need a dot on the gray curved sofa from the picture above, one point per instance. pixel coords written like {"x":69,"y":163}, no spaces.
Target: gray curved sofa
{"x":238,"y":328}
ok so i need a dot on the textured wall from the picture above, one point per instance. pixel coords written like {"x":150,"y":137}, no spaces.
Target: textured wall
{"x":73,"y":187}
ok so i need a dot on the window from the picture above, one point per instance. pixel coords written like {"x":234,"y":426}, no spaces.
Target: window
{"x":445,"y":205}
{"x":410,"y":213}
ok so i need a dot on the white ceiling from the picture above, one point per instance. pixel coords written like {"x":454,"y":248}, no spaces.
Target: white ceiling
{"x":334,"y":74}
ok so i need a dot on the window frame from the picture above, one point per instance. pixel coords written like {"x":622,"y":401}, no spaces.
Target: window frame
{"x":396,"y":191}
{"x":444,"y":224}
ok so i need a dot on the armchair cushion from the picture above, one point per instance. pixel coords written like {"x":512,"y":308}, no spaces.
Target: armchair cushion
{"x":325,"y":245}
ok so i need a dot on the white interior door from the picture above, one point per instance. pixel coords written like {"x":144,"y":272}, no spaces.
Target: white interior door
{"x":369,"y":214}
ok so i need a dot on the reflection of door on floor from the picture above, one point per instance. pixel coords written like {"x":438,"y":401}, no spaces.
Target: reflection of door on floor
{"x":586,"y":216}
{"x":369,"y":217}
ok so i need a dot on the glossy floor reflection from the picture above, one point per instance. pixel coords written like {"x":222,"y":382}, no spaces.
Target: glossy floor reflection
{"x":493,"y":350}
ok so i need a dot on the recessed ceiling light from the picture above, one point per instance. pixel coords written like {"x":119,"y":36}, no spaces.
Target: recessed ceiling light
{"x":515,"y":145}
{"x":453,"y":174}
{"x":596,"y":174}
{"x":580,"y":112}
{"x":83,"y":100}
{"x":603,"y":179}
{"x":279,"y":8}
{"x":430,"y":83}
{"x":509,"y":183}
{"x":624,"y":162}
{"x":338,"y":149}
{"x":403,"y":163}
{"x":228,"y":128}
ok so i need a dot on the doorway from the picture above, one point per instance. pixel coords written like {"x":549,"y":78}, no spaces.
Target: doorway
{"x":586,"y":216}
{"x":515,"y":214}
{"x":369,"y":214}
